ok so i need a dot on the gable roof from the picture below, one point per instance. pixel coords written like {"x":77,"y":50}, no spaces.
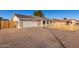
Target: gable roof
{"x":25,"y":17}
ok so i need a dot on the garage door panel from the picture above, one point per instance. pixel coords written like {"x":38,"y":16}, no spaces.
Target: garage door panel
{"x":29,"y":24}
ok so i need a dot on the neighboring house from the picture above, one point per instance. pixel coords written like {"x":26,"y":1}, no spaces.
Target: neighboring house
{"x":60,"y":22}
{"x":68,"y":24}
{"x":30,"y":21}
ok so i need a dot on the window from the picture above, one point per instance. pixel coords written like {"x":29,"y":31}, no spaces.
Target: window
{"x":67,"y":23}
{"x":43,"y":22}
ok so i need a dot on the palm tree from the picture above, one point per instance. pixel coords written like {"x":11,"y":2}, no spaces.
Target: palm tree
{"x":39,"y":13}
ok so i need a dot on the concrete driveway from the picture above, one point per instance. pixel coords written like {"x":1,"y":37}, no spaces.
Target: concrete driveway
{"x":38,"y":38}
{"x":28,"y":38}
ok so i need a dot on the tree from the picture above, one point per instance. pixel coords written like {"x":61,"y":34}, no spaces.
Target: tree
{"x":0,"y":21}
{"x":64,"y":18}
{"x":39,"y":13}
{"x":54,"y":19}
{"x":1,"y":18}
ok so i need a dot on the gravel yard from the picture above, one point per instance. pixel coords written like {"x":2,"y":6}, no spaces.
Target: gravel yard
{"x":38,"y":38}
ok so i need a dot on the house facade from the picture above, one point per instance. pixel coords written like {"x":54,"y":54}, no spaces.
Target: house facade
{"x":30,"y":21}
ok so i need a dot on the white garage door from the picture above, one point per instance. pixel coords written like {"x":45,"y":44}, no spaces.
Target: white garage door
{"x":29,"y":24}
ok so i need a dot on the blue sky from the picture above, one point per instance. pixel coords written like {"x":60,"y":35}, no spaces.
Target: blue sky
{"x":48,"y":13}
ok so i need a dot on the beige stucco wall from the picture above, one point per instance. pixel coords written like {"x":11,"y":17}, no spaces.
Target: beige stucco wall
{"x":15,"y":18}
{"x":19,"y":23}
{"x":40,"y":23}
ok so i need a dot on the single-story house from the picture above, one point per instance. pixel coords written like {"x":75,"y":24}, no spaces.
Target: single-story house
{"x":67,"y":24}
{"x":23,"y":21}
{"x":30,"y":21}
{"x":60,"y":22}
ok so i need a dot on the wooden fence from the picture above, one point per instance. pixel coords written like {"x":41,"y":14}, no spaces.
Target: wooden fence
{"x":7,"y":24}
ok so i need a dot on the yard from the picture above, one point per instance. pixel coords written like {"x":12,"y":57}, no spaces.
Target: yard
{"x":38,"y":38}
{"x":65,"y":27}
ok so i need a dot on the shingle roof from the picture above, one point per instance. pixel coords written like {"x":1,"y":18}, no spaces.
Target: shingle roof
{"x":61,"y":20}
{"x":25,"y":17}
{"x":22,"y":16}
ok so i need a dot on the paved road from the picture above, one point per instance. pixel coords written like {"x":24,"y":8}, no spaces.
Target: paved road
{"x":38,"y":38}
